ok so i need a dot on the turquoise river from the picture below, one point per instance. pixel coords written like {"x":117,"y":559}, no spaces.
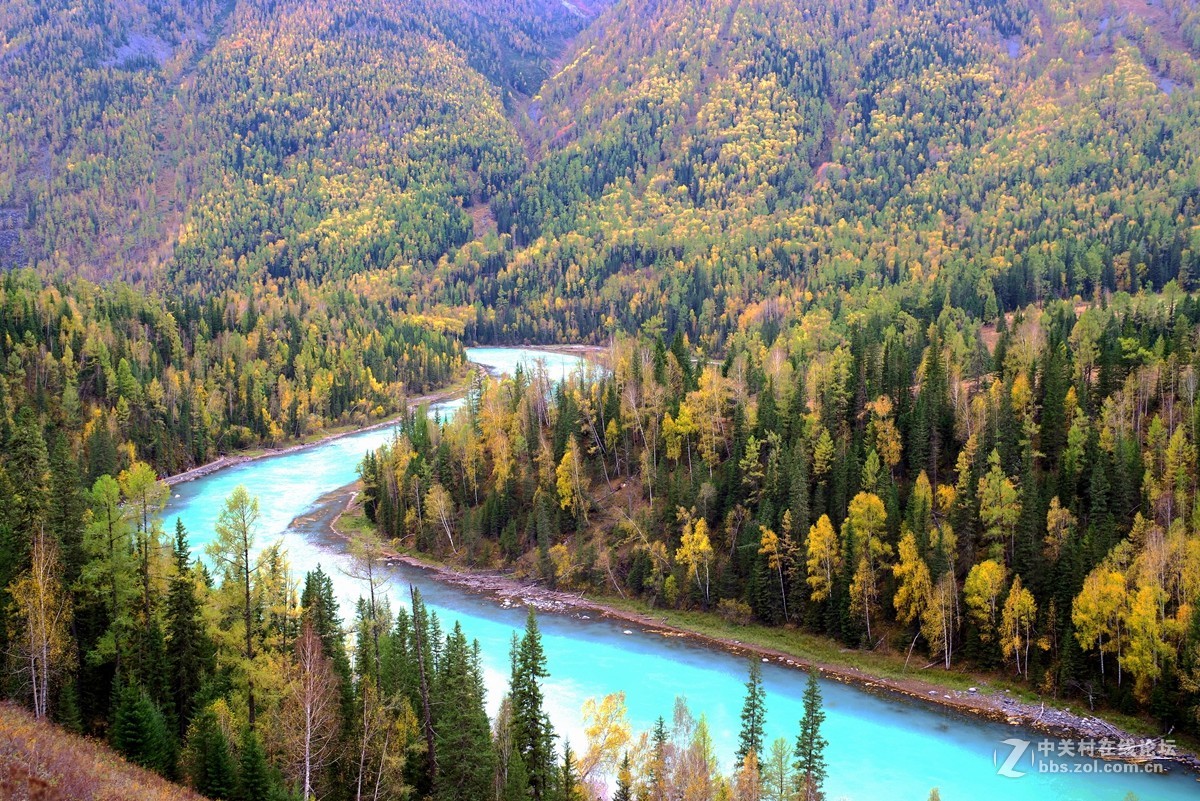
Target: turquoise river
{"x":881,"y":747}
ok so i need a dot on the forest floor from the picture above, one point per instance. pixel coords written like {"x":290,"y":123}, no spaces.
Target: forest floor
{"x":976,"y":694}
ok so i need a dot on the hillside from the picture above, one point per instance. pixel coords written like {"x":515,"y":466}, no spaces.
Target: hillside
{"x":695,"y":160}
{"x":131,"y":126}
{"x":42,"y":762}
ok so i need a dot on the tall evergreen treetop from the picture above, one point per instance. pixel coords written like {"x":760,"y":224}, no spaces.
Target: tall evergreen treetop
{"x":750,"y":741}
{"x":810,"y":745}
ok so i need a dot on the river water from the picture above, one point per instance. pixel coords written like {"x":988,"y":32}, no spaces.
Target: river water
{"x":880,"y":747}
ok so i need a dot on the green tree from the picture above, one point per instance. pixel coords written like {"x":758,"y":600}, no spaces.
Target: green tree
{"x":255,"y":780}
{"x":809,"y":765}
{"x":139,"y":731}
{"x":189,"y":648}
{"x":999,"y":507}
{"x":110,"y":571}
{"x":210,"y":765}
{"x":754,"y":708}
{"x":233,"y":551}
{"x":532,"y":734}
{"x":466,"y":759}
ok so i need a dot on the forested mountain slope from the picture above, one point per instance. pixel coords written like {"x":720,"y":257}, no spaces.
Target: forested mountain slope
{"x":268,"y":175}
{"x":698,"y":158}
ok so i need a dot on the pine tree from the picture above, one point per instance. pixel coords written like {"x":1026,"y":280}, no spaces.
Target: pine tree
{"x":210,"y":766}
{"x":516,"y":784}
{"x":658,"y":764}
{"x":28,"y":466}
{"x":624,"y":791}
{"x":67,"y":506}
{"x":140,"y":732}
{"x":255,"y":782}
{"x":532,"y":734}
{"x":466,"y":760}
{"x":809,"y":764}
{"x":190,"y":652}
{"x":320,"y":606}
{"x":568,"y":788}
{"x":750,"y":741}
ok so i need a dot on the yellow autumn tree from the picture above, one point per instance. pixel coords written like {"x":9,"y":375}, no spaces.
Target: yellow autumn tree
{"x":981,"y":591}
{"x":1098,"y":610}
{"x":1016,"y":625}
{"x":696,"y":553}
{"x":770,"y":546}
{"x":824,"y":558}
{"x":569,"y":480}
{"x":864,"y":526}
{"x":41,"y":623}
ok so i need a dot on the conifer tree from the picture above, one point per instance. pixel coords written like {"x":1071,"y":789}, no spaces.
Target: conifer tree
{"x":210,"y":765}
{"x":140,"y":732}
{"x":189,"y":652}
{"x":466,"y":759}
{"x":809,"y":765}
{"x":750,"y":740}
{"x":532,"y":734}
{"x":255,"y":782}
{"x":624,"y":789}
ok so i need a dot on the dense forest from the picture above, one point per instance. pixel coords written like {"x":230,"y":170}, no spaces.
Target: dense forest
{"x":1021,"y":500}
{"x":897,"y":304}
{"x":224,"y":674}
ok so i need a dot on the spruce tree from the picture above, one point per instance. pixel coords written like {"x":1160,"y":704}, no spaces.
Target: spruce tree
{"x":532,"y":734}
{"x":466,"y":760}
{"x":210,"y":765}
{"x":140,"y":732}
{"x":189,"y":653}
{"x":320,"y":606}
{"x":254,"y":775}
{"x":658,"y":764}
{"x":67,"y":506}
{"x":624,"y":791}
{"x":568,"y":788}
{"x":809,"y":764}
{"x":753,"y":713}
{"x":516,"y":783}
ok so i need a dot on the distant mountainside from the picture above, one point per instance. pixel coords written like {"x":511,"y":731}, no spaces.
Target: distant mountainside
{"x":697,"y":160}
{"x":133,"y":131}
{"x":656,"y":163}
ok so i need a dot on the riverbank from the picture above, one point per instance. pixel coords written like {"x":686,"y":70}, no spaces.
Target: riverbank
{"x":955,"y":691}
{"x":456,"y":390}
{"x":321,"y":438}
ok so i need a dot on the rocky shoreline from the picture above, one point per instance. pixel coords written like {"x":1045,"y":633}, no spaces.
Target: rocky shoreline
{"x":980,"y":701}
